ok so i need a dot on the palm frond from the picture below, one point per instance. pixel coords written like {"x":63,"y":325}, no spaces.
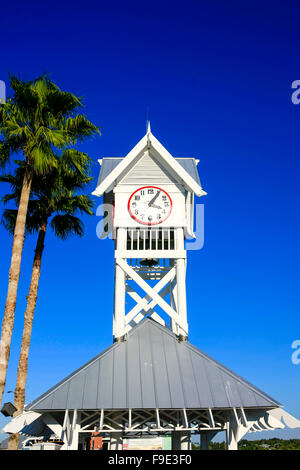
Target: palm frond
{"x":42,"y":158}
{"x":73,"y":159}
{"x":39,"y":120}
{"x":80,"y":127}
{"x":9,"y":217}
{"x":66,"y":225}
{"x":8,"y":220}
{"x":5,"y":153}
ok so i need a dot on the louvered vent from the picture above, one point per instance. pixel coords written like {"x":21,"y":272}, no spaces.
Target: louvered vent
{"x":148,"y":171}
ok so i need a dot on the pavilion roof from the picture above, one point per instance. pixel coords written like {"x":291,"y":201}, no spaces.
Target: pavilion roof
{"x":152,"y":369}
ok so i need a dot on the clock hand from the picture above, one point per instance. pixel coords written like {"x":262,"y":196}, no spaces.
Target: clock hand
{"x":156,"y":207}
{"x":154,"y":198}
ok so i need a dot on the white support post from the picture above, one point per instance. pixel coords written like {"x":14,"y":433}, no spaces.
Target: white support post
{"x":173,"y":301}
{"x":120,"y":291}
{"x":180,"y":277}
{"x":70,"y":432}
{"x":73,"y":445}
{"x":66,"y":431}
{"x":232,"y":433}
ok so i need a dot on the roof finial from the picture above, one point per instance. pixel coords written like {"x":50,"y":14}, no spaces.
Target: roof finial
{"x":148,"y":129}
{"x":148,"y":126}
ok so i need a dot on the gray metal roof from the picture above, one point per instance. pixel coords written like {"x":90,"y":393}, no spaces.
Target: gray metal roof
{"x":108,"y":164}
{"x":151,"y":369}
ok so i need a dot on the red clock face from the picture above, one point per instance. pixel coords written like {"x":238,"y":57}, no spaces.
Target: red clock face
{"x":150,"y":205}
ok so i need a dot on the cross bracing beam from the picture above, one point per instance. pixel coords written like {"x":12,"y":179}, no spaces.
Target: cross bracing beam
{"x":149,"y":421}
{"x":160,"y":420}
{"x":147,"y":310}
{"x":148,"y":302}
{"x":151,"y":293}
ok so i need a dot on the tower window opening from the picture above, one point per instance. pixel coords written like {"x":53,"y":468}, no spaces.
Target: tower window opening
{"x":150,"y":239}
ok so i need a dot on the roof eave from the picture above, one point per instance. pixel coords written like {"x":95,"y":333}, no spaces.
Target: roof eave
{"x":148,"y":141}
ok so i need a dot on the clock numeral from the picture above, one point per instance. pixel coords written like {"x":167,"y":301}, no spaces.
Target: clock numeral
{"x":137,"y":198}
{"x":136,"y":212}
{"x":166,"y":204}
{"x":142,"y":193}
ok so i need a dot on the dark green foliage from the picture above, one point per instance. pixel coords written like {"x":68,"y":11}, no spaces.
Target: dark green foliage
{"x":38,"y":120}
{"x":55,"y":198}
{"x":262,"y":444}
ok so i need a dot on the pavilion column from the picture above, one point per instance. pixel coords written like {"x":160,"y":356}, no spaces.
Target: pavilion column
{"x":231,"y":434}
{"x":70,"y":430}
{"x":73,"y":445}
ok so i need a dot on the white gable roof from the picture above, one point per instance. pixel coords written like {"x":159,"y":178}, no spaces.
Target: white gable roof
{"x":149,"y":142}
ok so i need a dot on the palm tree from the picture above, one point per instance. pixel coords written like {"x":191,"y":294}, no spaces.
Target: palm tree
{"x":54,"y":201}
{"x":37,"y":121}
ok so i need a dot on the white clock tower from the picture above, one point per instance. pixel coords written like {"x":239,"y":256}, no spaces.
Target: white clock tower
{"x":151,"y":199}
{"x":151,"y":381}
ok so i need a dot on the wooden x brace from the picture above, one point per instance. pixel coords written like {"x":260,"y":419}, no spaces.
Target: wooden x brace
{"x":152,"y":293}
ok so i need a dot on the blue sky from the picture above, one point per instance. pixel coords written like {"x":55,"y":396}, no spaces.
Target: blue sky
{"x":216,"y":77}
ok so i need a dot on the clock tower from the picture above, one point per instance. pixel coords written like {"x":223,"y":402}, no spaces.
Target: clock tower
{"x":151,"y":381}
{"x":151,"y":205}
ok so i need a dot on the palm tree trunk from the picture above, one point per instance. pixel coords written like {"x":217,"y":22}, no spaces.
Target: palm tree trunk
{"x":28,"y":321}
{"x":14,"y":274}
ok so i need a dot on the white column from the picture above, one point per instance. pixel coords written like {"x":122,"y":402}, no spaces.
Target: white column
{"x":173,"y":301}
{"x":75,"y":432}
{"x":231,"y":435}
{"x":120,"y":290}
{"x":180,"y":277}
